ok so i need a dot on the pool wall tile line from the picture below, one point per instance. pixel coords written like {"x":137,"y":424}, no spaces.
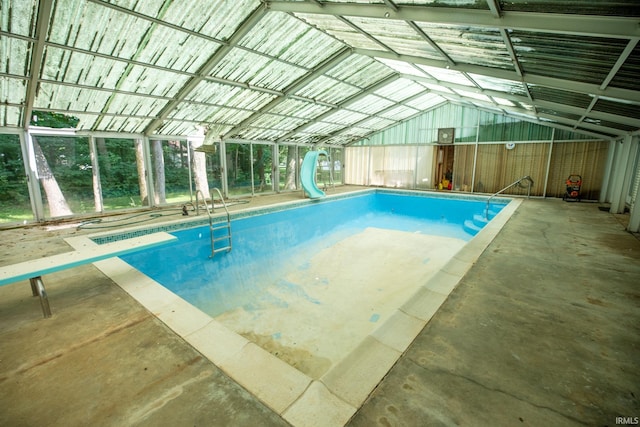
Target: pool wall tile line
{"x":319,"y":407}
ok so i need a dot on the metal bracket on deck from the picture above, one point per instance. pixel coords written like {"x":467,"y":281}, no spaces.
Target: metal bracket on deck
{"x":37,"y":288}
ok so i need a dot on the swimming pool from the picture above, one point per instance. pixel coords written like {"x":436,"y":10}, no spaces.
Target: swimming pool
{"x":328,"y":305}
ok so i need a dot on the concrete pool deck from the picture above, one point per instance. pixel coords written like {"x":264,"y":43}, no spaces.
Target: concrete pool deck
{"x":542,"y":330}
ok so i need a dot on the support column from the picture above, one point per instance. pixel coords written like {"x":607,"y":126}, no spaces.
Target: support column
{"x":621,"y":174}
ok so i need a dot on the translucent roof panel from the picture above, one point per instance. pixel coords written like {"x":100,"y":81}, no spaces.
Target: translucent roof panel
{"x":499,"y":85}
{"x":327,"y":90}
{"x":400,"y":89}
{"x":582,"y":59}
{"x":302,"y":109}
{"x":257,"y":70}
{"x":290,"y":40}
{"x":340,"y":30}
{"x":316,"y":71}
{"x":360,"y":71}
{"x":579,"y":7}
{"x":396,"y":35}
{"x":471,"y":45}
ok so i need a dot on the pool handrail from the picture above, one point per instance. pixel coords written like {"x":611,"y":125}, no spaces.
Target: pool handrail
{"x":211,"y":226}
{"x":518,"y":181}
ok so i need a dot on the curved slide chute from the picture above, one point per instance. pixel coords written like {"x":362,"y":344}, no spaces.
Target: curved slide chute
{"x":308,"y":174}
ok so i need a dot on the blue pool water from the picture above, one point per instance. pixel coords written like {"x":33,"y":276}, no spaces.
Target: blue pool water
{"x":266,"y":245}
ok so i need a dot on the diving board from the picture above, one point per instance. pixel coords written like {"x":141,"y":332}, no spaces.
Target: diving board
{"x":308,"y":174}
{"x":36,"y":268}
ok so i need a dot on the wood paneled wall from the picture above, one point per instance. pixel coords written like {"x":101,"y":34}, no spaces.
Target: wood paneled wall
{"x":495,"y":166}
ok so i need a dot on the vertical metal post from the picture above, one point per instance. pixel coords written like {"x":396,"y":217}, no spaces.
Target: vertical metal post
{"x":37,"y":287}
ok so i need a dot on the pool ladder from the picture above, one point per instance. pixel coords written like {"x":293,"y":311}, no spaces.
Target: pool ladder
{"x":217,"y":226}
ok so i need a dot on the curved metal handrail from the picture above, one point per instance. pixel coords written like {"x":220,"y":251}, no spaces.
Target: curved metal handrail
{"x":518,"y":181}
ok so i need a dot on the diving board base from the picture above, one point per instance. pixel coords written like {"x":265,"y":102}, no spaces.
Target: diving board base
{"x":37,"y":288}
{"x":87,"y":254}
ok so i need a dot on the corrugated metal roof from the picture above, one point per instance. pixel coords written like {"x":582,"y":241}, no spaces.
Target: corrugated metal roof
{"x":325,"y":71}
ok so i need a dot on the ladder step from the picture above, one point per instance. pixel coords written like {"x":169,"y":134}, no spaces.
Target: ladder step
{"x":220,"y":227}
{"x":225,"y":248}
{"x":217,"y":239}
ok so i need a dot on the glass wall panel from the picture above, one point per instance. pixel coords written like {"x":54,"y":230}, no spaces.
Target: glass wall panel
{"x":287,"y":167}
{"x":337,"y":164}
{"x":424,"y":167}
{"x":118,"y":162}
{"x":262,"y":168}
{"x":65,"y":175}
{"x":14,"y":193}
{"x":356,"y":165}
{"x":170,"y":164}
{"x":239,"y":167}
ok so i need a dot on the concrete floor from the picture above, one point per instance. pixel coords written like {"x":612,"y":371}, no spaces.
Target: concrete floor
{"x":544,"y":330}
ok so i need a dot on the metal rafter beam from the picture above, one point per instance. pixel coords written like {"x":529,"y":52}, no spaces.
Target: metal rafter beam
{"x":206,"y":68}
{"x":623,"y":94}
{"x":342,"y":105}
{"x":558,"y":23}
{"x":629,"y":121}
{"x":378,"y":114}
{"x":294,"y":87}
{"x":433,"y":44}
{"x":42,"y":29}
{"x":616,"y":67}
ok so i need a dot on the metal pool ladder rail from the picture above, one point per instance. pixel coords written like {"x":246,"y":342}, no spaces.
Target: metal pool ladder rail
{"x":516,"y":182}
{"x":226,"y":225}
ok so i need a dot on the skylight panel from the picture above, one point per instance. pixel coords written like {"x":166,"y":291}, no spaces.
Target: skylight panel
{"x":339,"y":30}
{"x":473,"y":95}
{"x":503,"y":101}
{"x":297,"y":108}
{"x":10,"y":115}
{"x":400,"y":89}
{"x":500,"y":85}
{"x":15,"y":56}
{"x":12,"y":91}
{"x":327,"y":90}
{"x":288,"y":39}
{"x":426,"y":102}
{"x":323,"y":128}
{"x":19,"y":18}
{"x":444,"y":75}
{"x":402,"y":67}
{"x":345,"y":117}
{"x":396,"y":35}
{"x":230,"y":96}
{"x":359,"y":70}
{"x":370,"y":104}
{"x":376,"y":123}
{"x":275,"y":121}
{"x":399,"y":113}
{"x":258,"y":70}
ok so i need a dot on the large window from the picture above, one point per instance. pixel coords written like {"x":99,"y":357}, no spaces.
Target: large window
{"x":64,"y":172}
{"x":170,"y":164}
{"x":14,"y":194}
{"x":118,"y":163}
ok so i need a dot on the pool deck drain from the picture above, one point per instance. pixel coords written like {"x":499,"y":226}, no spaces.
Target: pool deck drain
{"x":103,"y":360}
